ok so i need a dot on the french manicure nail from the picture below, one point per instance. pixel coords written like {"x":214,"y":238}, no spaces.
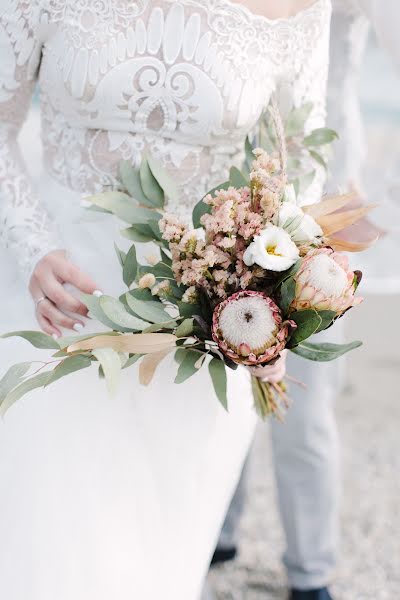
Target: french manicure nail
{"x":55,"y":336}
{"x":78,"y":327}
{"x":98,"y":293}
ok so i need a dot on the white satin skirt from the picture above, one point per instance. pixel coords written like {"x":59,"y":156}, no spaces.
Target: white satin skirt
{"x":111,"y":499}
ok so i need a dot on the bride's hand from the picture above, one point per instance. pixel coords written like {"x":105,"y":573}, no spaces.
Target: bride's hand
{"x":51,"y":299}
{"x":274,"y":373}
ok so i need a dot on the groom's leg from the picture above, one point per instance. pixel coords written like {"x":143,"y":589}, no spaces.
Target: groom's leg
{"x":306,"y":465}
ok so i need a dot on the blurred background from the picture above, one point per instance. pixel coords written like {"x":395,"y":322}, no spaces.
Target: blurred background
{"x":369,"y":407}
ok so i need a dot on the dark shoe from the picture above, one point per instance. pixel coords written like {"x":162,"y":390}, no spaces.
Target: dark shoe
{"x":320,"y":594}
{"x":223,"y":555}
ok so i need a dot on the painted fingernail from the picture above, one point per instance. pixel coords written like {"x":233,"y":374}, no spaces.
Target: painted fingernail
{"x":98,"y":293}
{"x":55,"y":336}
{"x":78,"y":327}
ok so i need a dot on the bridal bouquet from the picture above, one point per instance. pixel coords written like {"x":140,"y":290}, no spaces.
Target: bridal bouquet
{"x":254,"y":275}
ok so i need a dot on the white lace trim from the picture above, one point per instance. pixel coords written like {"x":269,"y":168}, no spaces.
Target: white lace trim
{"x":185,"y":80}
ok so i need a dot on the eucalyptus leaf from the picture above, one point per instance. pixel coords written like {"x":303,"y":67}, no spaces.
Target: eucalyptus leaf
{"x":36,"y":338}
{"x":150,"y":185}
{"x":237,"y":179}
{"x":287,"y":293}
{"x":185,"y":328}
{"x":320,"y":137}
{"x":165,"y":181}
{"x":12,"y":378}
{"x":324,"y":352}
{"x":150,"y":311}
{"x":186,"y":309}
{"x":111,"y":365}
{"x":327,"y":318}
{"x":297,"y":119}
{"x":187,"y":367}
{"x":249,"y":154}
{"x":139,"y":232}
{"x":306,"y":180}
{"x":131,"y":179}
{"x":308,"y":322}
{"x":69,"y":365}
{"x":217,"y":370}
{"x":119,"y":316}
{"x":117,"y":203}
{"x":132,"y":360}
{"x":318,"y":158}
{"x":23,"y":388}
{"x":96,"y":312}
{"x":130,"y":267}
{"x":289,"y":273}
{"x":121,"y":255}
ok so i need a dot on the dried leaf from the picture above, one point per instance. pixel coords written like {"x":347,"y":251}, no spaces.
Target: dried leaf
{"x":149,"y":364}
{"x":329,"y":205}
{"x":336,"y":222}
{"x":133,"y":343}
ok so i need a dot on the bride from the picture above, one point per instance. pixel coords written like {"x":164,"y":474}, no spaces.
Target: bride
{"x":124,"y":498}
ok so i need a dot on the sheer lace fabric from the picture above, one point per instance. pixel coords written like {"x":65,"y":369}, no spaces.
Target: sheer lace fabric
{"x":182,"y":80}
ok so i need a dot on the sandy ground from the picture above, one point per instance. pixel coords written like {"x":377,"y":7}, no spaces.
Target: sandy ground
{"x":369,"y":421}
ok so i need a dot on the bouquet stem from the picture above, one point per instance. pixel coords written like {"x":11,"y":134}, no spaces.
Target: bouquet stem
{"x":269,"y":398}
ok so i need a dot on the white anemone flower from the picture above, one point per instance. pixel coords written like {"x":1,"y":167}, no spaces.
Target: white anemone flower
{"x":273,"y":249}
{"x":302,"y":228}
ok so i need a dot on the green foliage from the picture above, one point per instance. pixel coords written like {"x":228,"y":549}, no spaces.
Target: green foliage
{"x":217,"y":370}
{"x":110,"y":362}
{"x":297,"y":118}
{"x":324,"y":352}
{"x":237,"y":179}
{"x":327,"y":318}
{"x":321,"y":137}
{"x":150,"y":311}
{"x":36,"y":338}
{"x":287,"y":293}
{"x":131,"y":180}
{"x":121,"y":319}
{"x":12,"y":378}
{"x":308,"y":322}
{"x":69,"y":365}
{"x":185,"y":328}
{"x":150,"y":185}
{"x":188,"y":366}
{"x":130,"y":267}
{"x":23,"y":388}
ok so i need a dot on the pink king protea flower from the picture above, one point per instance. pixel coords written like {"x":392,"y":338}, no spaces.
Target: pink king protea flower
{"x":325,"y":282}
{"x":248,"y":328}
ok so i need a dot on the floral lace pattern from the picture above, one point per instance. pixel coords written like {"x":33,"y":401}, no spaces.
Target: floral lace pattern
{"x":183,"y":80}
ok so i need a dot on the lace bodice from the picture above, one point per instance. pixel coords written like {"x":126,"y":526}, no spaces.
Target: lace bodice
{"x":184,"y":80}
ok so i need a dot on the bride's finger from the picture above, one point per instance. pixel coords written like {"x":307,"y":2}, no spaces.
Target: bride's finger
{"x":46,"y":326}
{"x":72,"y":274}
{"x":63,"y":299}
{"x":57,"y":318}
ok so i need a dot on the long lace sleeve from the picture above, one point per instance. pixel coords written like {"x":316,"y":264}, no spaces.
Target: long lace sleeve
{"x":305,"y":81}
{"x":25,"y":227}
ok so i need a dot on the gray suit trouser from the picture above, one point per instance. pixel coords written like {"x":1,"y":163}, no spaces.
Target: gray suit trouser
{"x":306,"y":466}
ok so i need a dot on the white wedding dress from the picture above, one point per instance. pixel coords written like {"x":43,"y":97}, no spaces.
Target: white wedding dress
{"x":123,"y":498}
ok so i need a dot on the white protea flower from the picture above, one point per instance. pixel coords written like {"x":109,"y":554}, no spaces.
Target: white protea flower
{"x":248,"y":328}
{"x":273,"y":249}
{"x":325,"y":282}
{"x":302,"y":228}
